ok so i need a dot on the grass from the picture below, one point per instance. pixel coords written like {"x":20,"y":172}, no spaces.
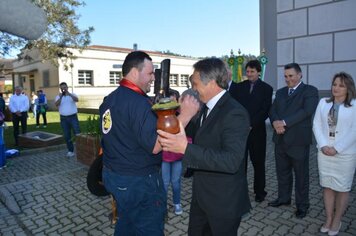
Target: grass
{"x":53,"y":126}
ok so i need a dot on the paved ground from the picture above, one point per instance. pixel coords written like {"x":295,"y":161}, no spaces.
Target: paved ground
{"x":52,"y":199}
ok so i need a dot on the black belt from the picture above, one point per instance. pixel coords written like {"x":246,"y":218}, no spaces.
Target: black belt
{"x":69,"y":115}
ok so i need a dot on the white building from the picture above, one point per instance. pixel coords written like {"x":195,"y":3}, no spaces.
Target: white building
{"x":94,"y":74}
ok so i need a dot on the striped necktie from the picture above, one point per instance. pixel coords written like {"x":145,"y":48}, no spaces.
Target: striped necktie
{"x":204,"y":114}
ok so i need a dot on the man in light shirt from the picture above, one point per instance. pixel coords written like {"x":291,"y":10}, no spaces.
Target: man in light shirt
{"x":67,"y":107}
{"x":19,"y":105}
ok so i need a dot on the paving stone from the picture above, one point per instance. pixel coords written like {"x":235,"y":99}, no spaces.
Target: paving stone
{"x":41,"y":228}
{"x":53,"y":189}
{"x":53,"y":229}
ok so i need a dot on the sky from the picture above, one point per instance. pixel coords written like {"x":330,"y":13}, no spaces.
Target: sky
{"x":198,"y":28}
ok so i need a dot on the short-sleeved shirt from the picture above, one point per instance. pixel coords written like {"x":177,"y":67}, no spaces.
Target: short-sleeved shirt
{"x":129,"y":133}
{"x":68,"y":106}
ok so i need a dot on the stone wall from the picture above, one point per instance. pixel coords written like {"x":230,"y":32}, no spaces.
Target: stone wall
{"x":320,"y":35}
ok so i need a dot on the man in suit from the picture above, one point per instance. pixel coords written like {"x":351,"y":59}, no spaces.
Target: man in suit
{"x":291,"y":116}
{"x":220,"y":193}
{"x":256,"y":96}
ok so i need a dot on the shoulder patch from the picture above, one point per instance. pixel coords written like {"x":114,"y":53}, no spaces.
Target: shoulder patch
{"x":106,"y":122}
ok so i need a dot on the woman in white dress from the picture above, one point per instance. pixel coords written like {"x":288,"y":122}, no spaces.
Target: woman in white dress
{"x":334,"y":128}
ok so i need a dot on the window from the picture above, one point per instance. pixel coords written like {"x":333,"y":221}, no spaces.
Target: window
{"x":22,"y":80}
{"x":115,"y":77}
{"x":85,"y":77}
{"x":183,"y":80}
{"x":45,"y":77}
{"x":173,"y":80}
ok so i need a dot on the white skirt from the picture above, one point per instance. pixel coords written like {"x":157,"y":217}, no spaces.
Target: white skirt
{"x":336,"y":172}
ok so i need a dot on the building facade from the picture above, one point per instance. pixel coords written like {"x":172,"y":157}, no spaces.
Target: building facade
{"x":94,"y":73}
{"x":320,"y":35}
{"x":5,"y":74}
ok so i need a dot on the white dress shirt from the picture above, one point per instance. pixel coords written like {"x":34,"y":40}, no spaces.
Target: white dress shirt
{"x":19,"y":103}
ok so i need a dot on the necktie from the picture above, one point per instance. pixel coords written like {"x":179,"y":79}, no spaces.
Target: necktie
{"x":290,"y":92}
{"x":204,"y":113}
{"x":251,"y":87}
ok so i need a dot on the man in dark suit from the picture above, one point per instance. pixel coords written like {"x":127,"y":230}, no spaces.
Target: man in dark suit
{"x":256,"y":96}
{"x":291,"y":116}
{"x":220,"y":193}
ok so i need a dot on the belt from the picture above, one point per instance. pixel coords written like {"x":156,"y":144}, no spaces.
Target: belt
{"x":331,"y":134}
{"x":69,"y":115}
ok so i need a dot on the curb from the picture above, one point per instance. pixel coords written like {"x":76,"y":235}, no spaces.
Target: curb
{"x":26,"y":152}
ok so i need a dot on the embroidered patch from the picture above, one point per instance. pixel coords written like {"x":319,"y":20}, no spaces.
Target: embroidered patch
{"x":106,"y":122}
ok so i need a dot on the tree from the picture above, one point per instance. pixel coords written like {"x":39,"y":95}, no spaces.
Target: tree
{"x":62,"y":33}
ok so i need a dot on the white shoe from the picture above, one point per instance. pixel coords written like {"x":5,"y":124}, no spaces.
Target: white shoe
{"x":37,"y":126}
{"x":334,"y":232}
{"x":178,"y":209}
{"x":45,"y":126}
{"x":70,"y":154}
{"x":324,"y":229}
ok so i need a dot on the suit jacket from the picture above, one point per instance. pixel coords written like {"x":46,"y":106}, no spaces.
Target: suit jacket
{"x":217,"y":157}
{"x":256,"y":103}
{"x":345,"y":133}
{"x":297,"y":111}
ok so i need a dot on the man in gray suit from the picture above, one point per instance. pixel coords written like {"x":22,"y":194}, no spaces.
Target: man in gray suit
{"x":291,"y":116}
{"x":220,"y":193}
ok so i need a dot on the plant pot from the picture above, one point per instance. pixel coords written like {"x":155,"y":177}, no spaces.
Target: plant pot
{"x":87,"y":148}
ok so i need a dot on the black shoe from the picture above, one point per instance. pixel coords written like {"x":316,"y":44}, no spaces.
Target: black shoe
{"x":300,"y":214}
{"x":259,"y":198}
{"x":277,"y":203}
{"x":188,"y":173}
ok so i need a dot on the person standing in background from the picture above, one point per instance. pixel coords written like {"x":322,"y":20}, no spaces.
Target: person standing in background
{"x":172,"y":168}
{"x":291,"y":117}
{"x":2,"y":103}
{"x":67,"y":107}
{"x":41,"y":108}
{"x":256,"y":96}
{"x":33,"y":104}
{"x":19,"y":105}
{"x":335,"y":133}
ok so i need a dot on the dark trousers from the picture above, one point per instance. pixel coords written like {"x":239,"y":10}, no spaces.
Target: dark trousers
{"x":256,"y":148}
{"x":201,"y":224}
{"x":289,"y":159}
{"x":16,"y":122}
{"x":38,"y":114}
{"x":141,"y":203}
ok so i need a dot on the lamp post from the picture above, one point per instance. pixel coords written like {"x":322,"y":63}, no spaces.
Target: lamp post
{"x":71,"y":73}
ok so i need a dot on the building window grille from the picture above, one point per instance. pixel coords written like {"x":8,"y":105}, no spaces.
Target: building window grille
{"x":85,"y":77}
{"x":45,"y":76}
{"x":115,"y":77}
{"x":183,"y":80}
{"x":173,"y":80}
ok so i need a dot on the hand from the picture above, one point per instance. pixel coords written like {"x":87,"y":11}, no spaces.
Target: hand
{"x":189,"y":106}
{"x":329,"y":151}
{"x":176,"y":143}
{"x":279,"y":126}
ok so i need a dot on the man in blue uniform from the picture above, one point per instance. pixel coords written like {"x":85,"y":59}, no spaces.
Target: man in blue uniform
{"x":131,"y":152}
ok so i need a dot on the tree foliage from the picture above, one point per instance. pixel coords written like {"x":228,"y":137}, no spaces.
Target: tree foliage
{"x":62,"y":32}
